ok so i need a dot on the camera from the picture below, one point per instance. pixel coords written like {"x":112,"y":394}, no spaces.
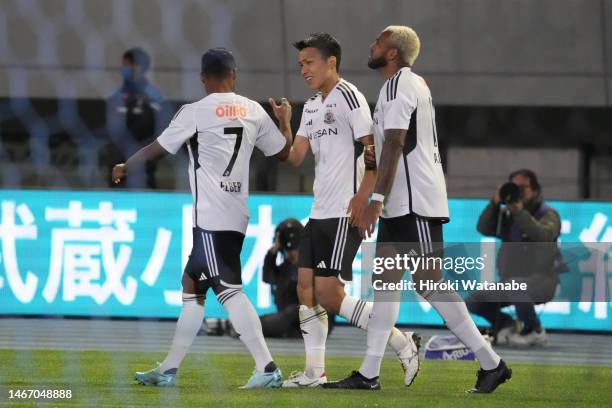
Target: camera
{"x":509,"y":193}
{"x":289,"y":232}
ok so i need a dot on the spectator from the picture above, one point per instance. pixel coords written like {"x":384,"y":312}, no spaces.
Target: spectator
{"x":135,"y":115}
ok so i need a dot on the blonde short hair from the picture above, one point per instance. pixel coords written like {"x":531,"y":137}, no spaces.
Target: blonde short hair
{"x":407,"y":42}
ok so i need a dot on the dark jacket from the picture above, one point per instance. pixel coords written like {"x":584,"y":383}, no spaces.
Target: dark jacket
{"x":529,"y":239}
{"x":283,"y":279}
{"x":136,"y":111}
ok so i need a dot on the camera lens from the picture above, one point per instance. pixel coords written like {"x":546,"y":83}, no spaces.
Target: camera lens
{"x":509,"y":193}
{"x":289,"y":233}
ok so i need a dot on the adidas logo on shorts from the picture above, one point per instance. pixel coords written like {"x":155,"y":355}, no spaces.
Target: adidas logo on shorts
{"x":321,"y":265}
{"x":202,"y":276}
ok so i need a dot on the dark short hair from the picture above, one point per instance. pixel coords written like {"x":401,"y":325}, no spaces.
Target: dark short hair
{"x":327,"y":45}
{"x":139,"y":57}
{"x":533,"y":179}
{"x":218,"y":62}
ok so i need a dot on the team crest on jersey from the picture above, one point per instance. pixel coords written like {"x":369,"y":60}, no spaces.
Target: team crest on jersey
{"x":329,"y":117}
{"x":231,"y":110}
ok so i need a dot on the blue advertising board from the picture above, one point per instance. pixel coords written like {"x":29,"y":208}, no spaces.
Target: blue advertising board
{"x":107,"y":253}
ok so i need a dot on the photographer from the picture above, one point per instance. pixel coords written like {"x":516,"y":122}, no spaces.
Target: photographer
{"x":529,"y":230}
{"x":283,"y":279}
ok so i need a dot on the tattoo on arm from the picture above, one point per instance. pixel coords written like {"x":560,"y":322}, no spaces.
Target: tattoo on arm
{"x":389,"y":158}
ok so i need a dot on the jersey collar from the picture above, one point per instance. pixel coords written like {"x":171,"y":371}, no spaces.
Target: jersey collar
{"x":401,"y":70}
{"x":321,"y":100}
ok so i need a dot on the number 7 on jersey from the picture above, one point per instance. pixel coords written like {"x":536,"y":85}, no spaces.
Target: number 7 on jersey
{"x":238,"y":132}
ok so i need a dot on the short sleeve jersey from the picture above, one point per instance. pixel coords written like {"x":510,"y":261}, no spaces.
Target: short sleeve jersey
{"x":333,"y":127}
{"x":221,"y":131}
{"x":419,"y":188}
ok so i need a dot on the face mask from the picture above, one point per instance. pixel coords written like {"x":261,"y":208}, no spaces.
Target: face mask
{"x":125,"y":73}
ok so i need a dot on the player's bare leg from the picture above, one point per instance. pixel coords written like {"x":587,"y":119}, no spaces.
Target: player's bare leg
{"x":329,"y":292}
{"x":305,"y":288}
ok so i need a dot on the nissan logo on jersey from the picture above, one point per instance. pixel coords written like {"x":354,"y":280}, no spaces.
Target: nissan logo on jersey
{"x":322,"y":132}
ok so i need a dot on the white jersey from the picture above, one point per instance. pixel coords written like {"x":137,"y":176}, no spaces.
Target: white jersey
{"x":332,"y":127}
{"x":419,"y":188}
{"x":220,"y":131}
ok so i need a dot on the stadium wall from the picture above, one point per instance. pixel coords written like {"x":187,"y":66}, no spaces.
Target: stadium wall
{"x":474,"y":52}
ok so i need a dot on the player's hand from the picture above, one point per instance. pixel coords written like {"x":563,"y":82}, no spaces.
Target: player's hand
{"x":282,"y":111}
{"x":355,"y":208}
{"x":369,"y":218}
{"x":369,"y":156}
{"x":119,"y":172}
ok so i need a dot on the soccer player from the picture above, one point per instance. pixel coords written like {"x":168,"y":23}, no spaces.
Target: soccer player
{"x":411,"y":185}
{"x":336,"y":124}
{"x":220,"y":132}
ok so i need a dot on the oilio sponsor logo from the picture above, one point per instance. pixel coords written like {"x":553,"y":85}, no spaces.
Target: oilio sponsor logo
{"x":232,"y":111}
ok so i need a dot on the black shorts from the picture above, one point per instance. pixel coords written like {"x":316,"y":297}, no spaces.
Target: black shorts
{"x":329,"y":247}
{"x":420,"y":235}
{"x":215,"y":259}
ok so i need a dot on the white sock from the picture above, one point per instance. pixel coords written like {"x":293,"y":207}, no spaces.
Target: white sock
{"x":397,"y":340}
{"x":187,"y":326}
{"x":357,"y":312}
{"x":384,"y":315}
{"x":452,"y":309}
{"x":313,"y":324}
{"x":246,"y":322}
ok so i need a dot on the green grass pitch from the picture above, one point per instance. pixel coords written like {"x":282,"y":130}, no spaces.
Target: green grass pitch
{"x":105,"y":379}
